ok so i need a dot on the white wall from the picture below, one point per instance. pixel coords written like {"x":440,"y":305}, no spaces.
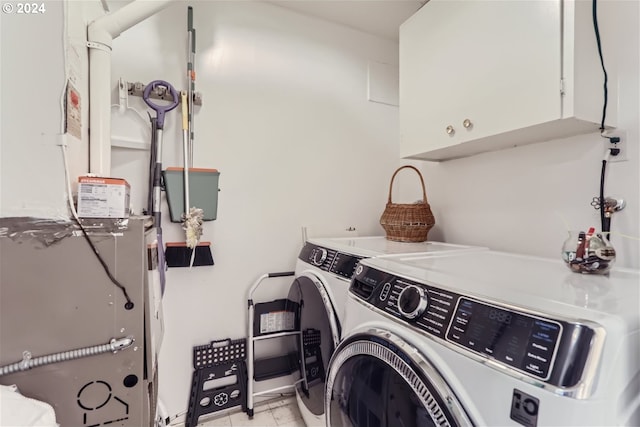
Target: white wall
{"x":31,"y":162}
{"x":524,"y":199}
{"x":40,"y":54}
{"x":287,"y":122}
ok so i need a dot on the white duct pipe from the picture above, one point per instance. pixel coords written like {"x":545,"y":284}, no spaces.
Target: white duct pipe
{"x":100,"y":35}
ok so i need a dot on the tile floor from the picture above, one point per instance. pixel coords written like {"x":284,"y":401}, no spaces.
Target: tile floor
{"x":281,"y":413}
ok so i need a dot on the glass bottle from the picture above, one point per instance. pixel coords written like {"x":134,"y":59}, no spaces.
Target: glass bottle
{"x":588,"y":252}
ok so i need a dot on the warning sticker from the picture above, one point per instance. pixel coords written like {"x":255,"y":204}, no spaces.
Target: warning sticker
{"x":277,"y":321}
{"x":73,"y":117}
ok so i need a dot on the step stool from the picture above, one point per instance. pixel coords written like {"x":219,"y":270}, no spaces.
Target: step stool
{"x":217,"y":363}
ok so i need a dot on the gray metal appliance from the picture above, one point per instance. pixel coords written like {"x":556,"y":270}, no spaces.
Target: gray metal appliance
{"x":68,"y":334}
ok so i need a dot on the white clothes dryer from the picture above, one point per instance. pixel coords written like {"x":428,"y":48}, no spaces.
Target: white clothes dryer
{"x":322,"y":276}
{"x":486,"y":338}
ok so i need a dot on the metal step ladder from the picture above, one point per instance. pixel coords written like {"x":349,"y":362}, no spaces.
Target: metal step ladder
{"x":271,"y":320}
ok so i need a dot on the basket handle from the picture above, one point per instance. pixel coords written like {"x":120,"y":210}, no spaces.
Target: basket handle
{"x":424,"y":190}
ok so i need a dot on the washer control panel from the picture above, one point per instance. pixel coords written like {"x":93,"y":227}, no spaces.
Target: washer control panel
{"x":428,"y":308}
{"x":412,"y":302}
{"x":330,"y":260}
{"x":547,"y":349}
{"x":525,"y":342}
{"x":318,"y":256}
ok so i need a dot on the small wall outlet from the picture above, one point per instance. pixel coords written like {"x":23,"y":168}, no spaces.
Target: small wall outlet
{"x":622,"y":145}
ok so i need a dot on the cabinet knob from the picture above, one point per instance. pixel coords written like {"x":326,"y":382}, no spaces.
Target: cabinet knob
{"x":467,"y":124}
{"x":450,"y":130}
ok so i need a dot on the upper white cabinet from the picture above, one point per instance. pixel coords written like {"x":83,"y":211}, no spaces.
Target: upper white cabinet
{"x":481,"y":75}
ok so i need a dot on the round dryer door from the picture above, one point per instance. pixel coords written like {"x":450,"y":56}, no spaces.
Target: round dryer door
{"x":377,"y":379}
{"x":320,"y":336}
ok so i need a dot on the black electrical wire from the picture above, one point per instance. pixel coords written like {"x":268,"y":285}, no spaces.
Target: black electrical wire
{"x":129,"y":304}
{"x":604,"y":70}
{"x":605,"y":222}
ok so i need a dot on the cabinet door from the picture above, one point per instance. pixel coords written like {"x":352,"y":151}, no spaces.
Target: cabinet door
{"x":496,"y":63}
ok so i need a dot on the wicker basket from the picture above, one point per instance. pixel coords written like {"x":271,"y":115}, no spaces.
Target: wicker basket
{"x":407,"y":222}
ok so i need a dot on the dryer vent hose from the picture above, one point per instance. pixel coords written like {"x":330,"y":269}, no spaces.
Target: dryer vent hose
{"x":27,"y":362}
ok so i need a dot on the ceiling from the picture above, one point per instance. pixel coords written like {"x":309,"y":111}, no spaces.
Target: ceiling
{"x":379,"y":17}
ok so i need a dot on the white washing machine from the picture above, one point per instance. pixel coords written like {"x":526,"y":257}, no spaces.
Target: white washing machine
{"x":323,"y":272}
{"x":486,"y":338}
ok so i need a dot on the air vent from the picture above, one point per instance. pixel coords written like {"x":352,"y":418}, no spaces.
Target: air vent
{"x":361,"y":289}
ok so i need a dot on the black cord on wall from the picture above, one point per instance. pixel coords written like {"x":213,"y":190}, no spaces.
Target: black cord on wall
{"x":129,"y":303}
{"x":605,"y":223}
{"x":604,"y":70}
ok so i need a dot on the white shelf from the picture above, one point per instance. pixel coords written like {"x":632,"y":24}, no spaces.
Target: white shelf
{"x":130,"y":143}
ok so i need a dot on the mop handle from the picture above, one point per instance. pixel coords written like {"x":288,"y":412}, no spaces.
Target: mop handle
{"x":191,"y":77}
{"x":185,"y":149}
{"x":192,"y":86}
{"x":160,"y":109}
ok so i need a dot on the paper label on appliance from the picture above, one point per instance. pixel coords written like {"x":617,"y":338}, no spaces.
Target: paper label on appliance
{"x":277,"y":321}
{"x":103,"y":200}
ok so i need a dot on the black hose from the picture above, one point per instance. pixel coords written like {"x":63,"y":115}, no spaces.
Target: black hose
{"x":605,"y":222}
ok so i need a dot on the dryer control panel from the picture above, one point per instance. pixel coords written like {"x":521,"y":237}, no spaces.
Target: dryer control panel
{"x":525,"y":342}
{"x":330,"y":260}
{"x":537,"y":345}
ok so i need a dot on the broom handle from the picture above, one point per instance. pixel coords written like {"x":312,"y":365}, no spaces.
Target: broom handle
{"x":185,"y":149}
{"x":424,"y":190}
